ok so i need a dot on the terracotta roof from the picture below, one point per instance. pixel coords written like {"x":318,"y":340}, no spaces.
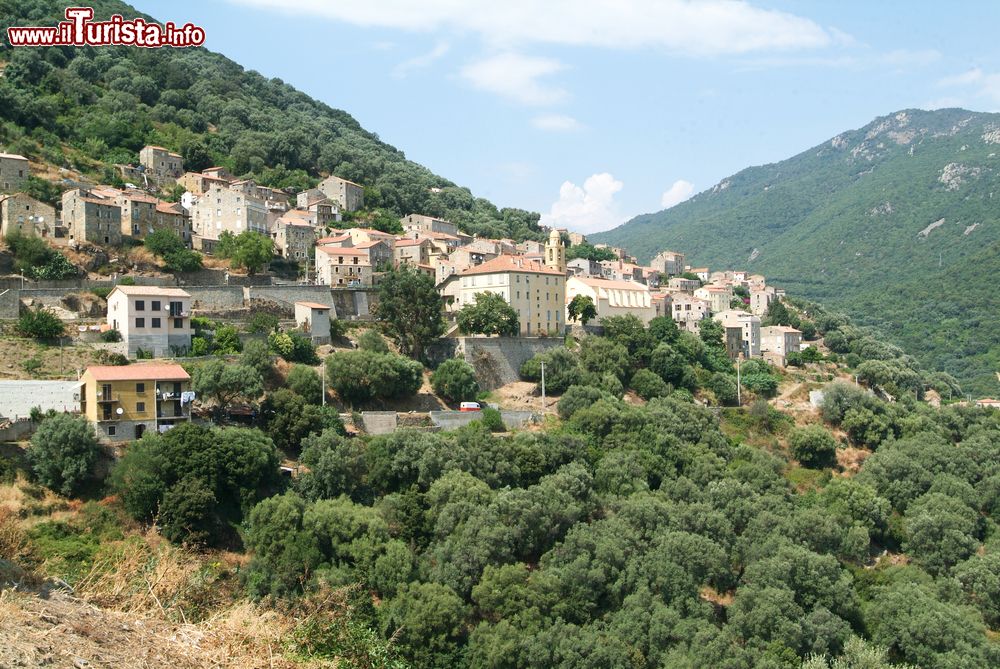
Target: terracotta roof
{"x":332,"y":240}
{"x":342,"y":251}
{"x":152,"y":291}
{"x":139,"y":372}
{"x":429,"y":234}
{"x":348,"y":181}
{"x":313,"y":305}
{"x":372,"y":231}
{"x":368,"y":245}
{"x":509,"y":263}
{"x":781,"y":328}
{"x":169,"y":207}
{"x":409,"y":242}
{"x":612,"y":285}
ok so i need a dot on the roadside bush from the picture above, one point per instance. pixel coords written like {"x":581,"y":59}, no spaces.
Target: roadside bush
{"x":455,"y":380}
{"x":261,"y":322}
{"x":579,"y":397}
{"x":492,"y":419}
{"x":111,"y":336}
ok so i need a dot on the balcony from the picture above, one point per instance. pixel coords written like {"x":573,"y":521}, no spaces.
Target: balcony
{"x":172,"y":413}
{"x":109,"y":398}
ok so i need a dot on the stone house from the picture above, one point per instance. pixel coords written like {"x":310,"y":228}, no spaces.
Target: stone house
{"x":293,"y":237}
{"x":223,"y":209}
{"x":422,"y":223}
{"x":680,"y":284}
{"x":152,"y":318}
{"x":761,"y":298}
{"x":350,"y":195}
{"x":24,"y":214}
{"x":14,"y":172}
{"x":750,"y":330}
{"x":161,"y":162}
{"x":89,"y":218}
{"x":668,"y":262}
{"x":124,"y":402}
{"x":718,"y":297}
{"x":413,"y":251}
{"x":777,"y":341}
{"x":688,"y":311}
{"x":343,"y":266}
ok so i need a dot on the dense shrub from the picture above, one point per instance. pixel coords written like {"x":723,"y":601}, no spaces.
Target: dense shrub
{"x":63,"y":452}
{"x":814,"y":446}
{"x":455,"y":380}
{"x":362,"y":376}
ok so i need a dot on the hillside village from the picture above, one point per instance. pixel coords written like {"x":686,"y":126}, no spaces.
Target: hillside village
{"x":156,"y":316}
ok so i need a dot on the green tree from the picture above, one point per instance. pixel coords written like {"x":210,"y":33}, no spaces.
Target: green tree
{"x":249,"y":250}
{"x":455,"y":380}
{"x":305,"y":382}
{"x":63,"y":452}
{"x":163,"y":242}
{"x":227,"y":340}
{"x":226,"y":383}
{"x":601,"y":355}
{"x":562,"y":370}
{"x":257,"y":355}
{"x":581,"y":397}
{"x":371,"y":340}
{"x":664,"y":330}
{"x":980,"y":579}
{"x":489,"y":314}
{"x":187,"y":512}
{"x":648,"y":385}
{"x":361,"y":376}
{"x":814,"y":447}
{"x":409,"y":308}
{"x":40,"y":323}
{"x":581,"y":308}
{"x":941,"y":531}
{"x":428,"y":619}
{"x":288,"y":419}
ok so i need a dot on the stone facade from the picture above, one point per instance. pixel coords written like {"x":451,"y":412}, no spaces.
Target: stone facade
{"x":422,"y":223}
{"x":14,"y":172}
{"x":88,"y":218}
{"x":350,"y":195}
{"x":222,"y":209}
{"x":161,"y":162}
{"x":26,"y":215}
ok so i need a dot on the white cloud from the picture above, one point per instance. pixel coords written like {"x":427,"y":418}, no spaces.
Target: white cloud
{"x":556,"y":123}
{"x":703,"y":27}
{"x":974,"y":87}
{"x":421,"y":61}
{"x":517,"y":77}
{"x":679,"y":191}
{"x":591,"y":208}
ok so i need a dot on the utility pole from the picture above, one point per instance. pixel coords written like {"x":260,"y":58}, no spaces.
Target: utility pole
{"x":322,"y":376}
{"x":543,"y":387}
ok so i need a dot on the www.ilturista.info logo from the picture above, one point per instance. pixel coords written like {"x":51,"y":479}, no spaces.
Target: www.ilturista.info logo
{"x":79,"y":30}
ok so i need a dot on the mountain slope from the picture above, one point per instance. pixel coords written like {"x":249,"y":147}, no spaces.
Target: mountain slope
{"x":87,"y":108}
{"x":897,"y":223}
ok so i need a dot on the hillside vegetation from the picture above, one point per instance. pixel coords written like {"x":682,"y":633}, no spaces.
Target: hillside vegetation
{"x":896,"y":223}
{"x":88,"y":108}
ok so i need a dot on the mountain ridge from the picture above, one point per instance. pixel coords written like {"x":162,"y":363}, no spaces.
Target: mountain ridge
{"x":904,"y":203}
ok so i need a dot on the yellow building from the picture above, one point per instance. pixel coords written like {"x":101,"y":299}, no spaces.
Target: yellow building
{"x":536,"y":292}
{"x":613,"y":298}
{"x":124,"y":402}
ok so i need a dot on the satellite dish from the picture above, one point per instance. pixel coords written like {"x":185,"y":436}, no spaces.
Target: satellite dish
{"x":119,"y":411}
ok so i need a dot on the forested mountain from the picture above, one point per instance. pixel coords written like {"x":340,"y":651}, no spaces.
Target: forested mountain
{"x":87,"y":108}
{"x":895,"y":223}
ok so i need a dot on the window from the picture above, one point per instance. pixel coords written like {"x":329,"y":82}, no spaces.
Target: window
{"x":140,"y":387}
{"x":140,"y":322}
{"x":154,"y":305}
{"x":140,"y":305}
{"x":140,"y":407}
{"x":155,"y":323}
{"x":112,"y":429}
{"x":179,"y":323}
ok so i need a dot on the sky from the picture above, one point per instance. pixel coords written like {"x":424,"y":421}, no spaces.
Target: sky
{"x":593,"y":111}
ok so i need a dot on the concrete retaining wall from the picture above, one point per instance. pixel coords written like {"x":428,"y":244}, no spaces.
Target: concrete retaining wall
{"x":10,"y":303}
{"x":18,"y":430}
{"x":497,"y":360}
{"x":379,"y":422}
{"x":291,"y":294}
{"x":452,"y":420}
{"x":216,"y":297}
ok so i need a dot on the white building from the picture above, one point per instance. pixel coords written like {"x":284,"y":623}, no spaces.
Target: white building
{"x":614,"y":298}
{"x":749,"y":325}
{"x":151,"y":318}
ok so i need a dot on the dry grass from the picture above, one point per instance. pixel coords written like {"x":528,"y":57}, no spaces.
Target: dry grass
{"x":214,"y":262}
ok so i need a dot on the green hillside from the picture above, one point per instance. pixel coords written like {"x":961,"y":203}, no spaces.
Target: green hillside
{"x":851,"y":223}
{"x":88,"y":108}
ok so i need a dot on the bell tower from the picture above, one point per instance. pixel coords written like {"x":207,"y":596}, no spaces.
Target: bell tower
{"x":555,"y":252}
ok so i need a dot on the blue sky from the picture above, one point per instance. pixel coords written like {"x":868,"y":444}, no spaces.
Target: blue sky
{"x":593,"y":111}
